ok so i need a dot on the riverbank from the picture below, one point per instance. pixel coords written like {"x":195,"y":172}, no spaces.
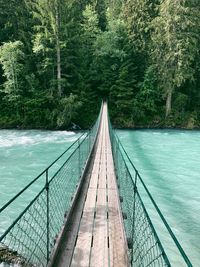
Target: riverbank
{"x":187,"y":121}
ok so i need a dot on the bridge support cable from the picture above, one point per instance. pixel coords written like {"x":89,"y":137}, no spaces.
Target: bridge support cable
{"x":89,"y":213}
{"x":145,"y":247}
{"x":30,"y":240}
{"x":100,"y":238}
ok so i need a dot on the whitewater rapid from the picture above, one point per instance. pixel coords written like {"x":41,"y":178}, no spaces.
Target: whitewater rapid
{"x":23,"y":156}
{"x":168,"y":160}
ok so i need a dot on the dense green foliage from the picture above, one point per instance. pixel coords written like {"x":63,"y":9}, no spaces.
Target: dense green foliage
{"x":60,"y":58}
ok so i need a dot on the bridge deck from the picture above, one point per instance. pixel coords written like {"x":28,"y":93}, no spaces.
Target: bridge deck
{"x":99,"y":239}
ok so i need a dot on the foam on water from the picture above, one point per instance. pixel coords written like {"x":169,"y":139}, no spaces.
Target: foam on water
{"x":167,"y":160}
{"x":16,"y":138}
{"x":23,"y":155}
{"x":6,"y":265}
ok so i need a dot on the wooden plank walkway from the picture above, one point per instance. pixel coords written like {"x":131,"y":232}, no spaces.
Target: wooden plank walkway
{"x":101,"y":240}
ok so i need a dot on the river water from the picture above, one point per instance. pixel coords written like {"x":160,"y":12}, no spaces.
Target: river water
{"x":23,"y":156}
{"x":168,"y":161}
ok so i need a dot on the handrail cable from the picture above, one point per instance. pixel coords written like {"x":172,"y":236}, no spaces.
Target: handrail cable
{"x":32,"y":201}
{"x":43,"y":172}
{"x":47,"y":168}
{"x":35,"y":231}
{"x":31,"y":237}
{"x":182,"y":252}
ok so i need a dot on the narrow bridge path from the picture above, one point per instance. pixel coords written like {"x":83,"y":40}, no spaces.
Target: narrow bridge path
{"x":95,"y":234}
{"x":76,"y":218}
{"x":101,"y":240}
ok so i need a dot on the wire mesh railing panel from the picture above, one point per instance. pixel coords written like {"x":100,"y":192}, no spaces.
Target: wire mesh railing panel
{"x":144,"y":246}
{"x":25,"y":243}
{"x":61,"y":191}
{"x":30,"y":239}
{"x":147,"y":250}
{"x":126,"y":189}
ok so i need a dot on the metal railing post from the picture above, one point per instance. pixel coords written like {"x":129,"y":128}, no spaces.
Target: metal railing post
{"x":89,"y":140}
{"x":117,"y":153}
{"x":133,"y":216}
{"x":32,"y":235}
{"x":79,"y":157}
{"x":47,"y":192}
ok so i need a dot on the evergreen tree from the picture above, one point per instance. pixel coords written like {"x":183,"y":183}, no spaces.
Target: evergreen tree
{"x":100,"y":8}
{"x":62,"y":57}
{"x":49,"y":16}
{"x":115,"y":7}
{"x":138,"y":15}
{"x":11,"y":56}
{"x":174,"y":48}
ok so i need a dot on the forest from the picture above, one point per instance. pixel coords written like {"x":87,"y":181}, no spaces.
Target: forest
{"x":60,"y":58}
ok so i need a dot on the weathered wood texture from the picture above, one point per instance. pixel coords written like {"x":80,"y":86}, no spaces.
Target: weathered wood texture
{"x":100,"y":240}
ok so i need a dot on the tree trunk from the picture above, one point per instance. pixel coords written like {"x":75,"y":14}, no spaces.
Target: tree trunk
{"x":168,"y":103}
{"x":58,"y":49}
{"x":59,"y":67}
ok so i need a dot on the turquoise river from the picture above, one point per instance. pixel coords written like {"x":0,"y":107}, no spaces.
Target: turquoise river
{"x":168,"y":161}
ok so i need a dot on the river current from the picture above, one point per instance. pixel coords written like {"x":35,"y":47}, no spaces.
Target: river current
{"x":168,"y":161}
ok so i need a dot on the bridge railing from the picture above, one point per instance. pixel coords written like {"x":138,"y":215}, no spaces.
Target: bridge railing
{"x":144,"y":245}
{"x":30,"y":239}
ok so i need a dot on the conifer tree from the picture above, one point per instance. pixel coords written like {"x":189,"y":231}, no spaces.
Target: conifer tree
{"x":138,"y":15}
{"x":175,"y":40}
{"x":100,"y":8}
{"x":11,"y":58}
{"x":49,"y":17}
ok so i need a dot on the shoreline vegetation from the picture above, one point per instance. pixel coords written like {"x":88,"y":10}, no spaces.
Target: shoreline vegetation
{"x":189,"y":127}
{"x":58,"y":60}
{"x":186,"y":122}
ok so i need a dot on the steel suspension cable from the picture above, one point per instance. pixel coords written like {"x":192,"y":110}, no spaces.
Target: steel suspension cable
{"x":182,"y":252}
{"x":43,"y":172}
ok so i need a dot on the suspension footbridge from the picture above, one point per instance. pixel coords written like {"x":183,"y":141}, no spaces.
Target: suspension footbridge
{"x":89,"y":212}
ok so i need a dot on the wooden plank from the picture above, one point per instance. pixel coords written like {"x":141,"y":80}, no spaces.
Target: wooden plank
{"x":117,"y":244}
{"x":82,"y":250}
{"x":101,"y":240}
{"x":102,"y":175}
{"x":94,"y":180}
{"x":118,"y":249}
{"x":83,"y":245}
{"x":99,"y":252}
{"x":81,"y":256}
